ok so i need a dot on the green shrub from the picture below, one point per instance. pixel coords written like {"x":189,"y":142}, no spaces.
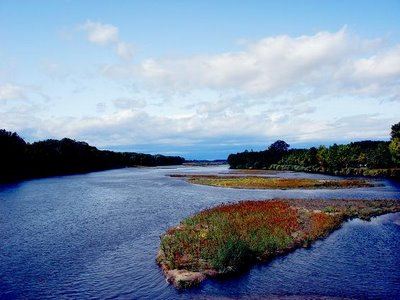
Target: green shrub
{"x":233,"y":255}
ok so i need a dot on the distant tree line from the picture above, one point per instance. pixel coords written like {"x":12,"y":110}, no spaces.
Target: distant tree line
{"x":259,"y":159}
{"x":21,"y":160}
{"x":368,"y":158}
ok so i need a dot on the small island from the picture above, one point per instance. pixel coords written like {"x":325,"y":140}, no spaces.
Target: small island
{"x":229,"y":238}
{"x":263,"y":182}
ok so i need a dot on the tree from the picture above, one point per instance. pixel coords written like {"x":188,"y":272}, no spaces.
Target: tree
{"x":279,"y":147}
{"x":394,"y":148}
{"x":20,"y":160}
{"x":12,"y":155}
{"x":311,"y":157}
{"x":352,"y":158}
{"x":395,"y":131}
{"x":394,"y":145}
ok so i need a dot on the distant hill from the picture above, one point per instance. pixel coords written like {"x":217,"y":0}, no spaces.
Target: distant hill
{"x":202,"y":162}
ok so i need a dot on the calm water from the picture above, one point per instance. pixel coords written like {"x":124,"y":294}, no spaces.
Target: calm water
{"x":96,"y":236}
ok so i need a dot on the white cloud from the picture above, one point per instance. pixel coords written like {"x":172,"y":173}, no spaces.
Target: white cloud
{"x":301,"y":89}
{"x":357,"y":127}
{"x":383,"y":66}
{"x":376,"y":75}
{"x":327,"y":63}
{"x":25,"y":119}
{"x":130,"y":127}
{"x":105,"y":35}
{"x":124,"y":50}
{"x":10,"y":91}
{"x":99,"y":33}
{"x":270,"y":64}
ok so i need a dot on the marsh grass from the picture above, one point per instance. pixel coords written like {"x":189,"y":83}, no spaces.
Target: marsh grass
{"x":257,"y":182}
{"x":230,"y":237}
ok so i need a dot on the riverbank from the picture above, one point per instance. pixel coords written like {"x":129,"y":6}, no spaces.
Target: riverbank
{"x":272,"y":182}
{"x":231,"y":237}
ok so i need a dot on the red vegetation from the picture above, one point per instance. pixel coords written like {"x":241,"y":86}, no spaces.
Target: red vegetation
{"x":229,"y":237}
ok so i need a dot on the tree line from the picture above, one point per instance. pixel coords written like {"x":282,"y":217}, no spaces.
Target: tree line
{"x":22,"y":160}
{"x":368,"y":158}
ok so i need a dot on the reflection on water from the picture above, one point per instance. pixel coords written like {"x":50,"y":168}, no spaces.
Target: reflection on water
{"x":96,"y":236}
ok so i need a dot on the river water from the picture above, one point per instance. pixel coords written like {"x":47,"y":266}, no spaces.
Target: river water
{"x":96,"y":236}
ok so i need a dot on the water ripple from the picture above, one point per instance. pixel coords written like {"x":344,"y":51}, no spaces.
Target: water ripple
{"x":96,"y":236}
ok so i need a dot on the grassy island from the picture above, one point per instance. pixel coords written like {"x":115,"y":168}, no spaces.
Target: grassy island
{"x":231,"y":237}
{"x":262,"y":182}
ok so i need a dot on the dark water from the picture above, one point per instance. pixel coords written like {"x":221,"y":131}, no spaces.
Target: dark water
{"x":96,"y":236}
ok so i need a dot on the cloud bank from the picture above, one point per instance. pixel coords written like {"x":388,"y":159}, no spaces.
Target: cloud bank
{"x":337,"y":63}
{"x":328,"y":86}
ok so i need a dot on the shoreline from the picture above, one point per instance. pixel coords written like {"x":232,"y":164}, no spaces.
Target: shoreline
{"x":384,"y":173}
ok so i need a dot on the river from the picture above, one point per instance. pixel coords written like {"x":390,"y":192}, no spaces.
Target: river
{"x":96,"y":236}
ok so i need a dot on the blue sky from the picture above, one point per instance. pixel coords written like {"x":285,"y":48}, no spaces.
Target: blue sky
{"x":200,"y":78}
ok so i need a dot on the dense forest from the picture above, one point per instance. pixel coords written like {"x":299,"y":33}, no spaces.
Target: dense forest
{"x":367,"y":158}
{"x":21,"y":160}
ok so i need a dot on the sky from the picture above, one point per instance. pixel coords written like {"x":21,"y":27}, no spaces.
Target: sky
{"x":200,"y":79}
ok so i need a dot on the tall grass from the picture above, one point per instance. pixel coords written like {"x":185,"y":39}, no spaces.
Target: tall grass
{"x":226,"y":238}
{"x":254,"y":182}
